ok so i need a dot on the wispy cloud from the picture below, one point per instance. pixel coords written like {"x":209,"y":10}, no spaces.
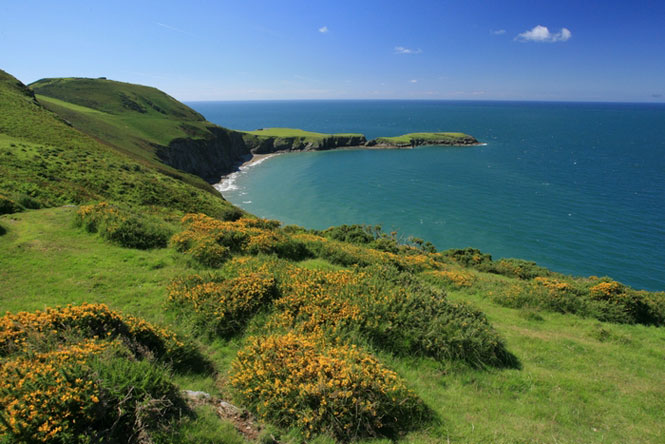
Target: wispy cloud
{"x":413,"y":81}
{"x":323,"y":29}
{"x":173,"y":28}
{"x":542,"y":34}
{"x":497,"y":31}
{"x":403,"y":50}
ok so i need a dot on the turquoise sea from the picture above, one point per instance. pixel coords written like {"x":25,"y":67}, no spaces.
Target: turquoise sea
{"x":576,"y":187}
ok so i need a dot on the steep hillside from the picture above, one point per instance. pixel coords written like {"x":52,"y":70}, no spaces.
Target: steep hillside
{"x":151,"y":126}
{"x":47,"y":162}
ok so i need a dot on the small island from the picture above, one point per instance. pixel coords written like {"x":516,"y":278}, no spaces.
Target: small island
{"x":419,"y":139}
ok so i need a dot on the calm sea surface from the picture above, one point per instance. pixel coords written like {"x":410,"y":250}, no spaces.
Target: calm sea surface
{"x":578,"y":188}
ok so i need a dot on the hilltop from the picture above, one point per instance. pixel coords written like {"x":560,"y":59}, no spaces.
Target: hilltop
{"x":143,"y":307}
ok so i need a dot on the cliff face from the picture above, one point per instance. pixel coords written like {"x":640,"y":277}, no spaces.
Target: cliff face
{"x":209,"y":158}
{"x":267,"y":145}
{"x":216,"y":156}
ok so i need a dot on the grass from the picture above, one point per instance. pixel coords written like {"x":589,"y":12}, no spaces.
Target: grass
{"x":293,"y":132}
{"x":51,"y":163}
{"x":580,"y":381}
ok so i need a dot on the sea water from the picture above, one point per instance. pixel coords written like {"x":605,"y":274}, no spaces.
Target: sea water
{"x":576,"y":187}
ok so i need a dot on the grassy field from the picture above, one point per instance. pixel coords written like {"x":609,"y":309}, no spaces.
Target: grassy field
{"x":293,"y":132}
{"x":580,"y":380}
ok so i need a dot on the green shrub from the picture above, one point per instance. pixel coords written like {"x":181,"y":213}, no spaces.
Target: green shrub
{"x":606,"y":300}
{"x":122,"y":228}
{"x":406,"y":317}
{"x":8,"y":206}
{"x":137,"y":398}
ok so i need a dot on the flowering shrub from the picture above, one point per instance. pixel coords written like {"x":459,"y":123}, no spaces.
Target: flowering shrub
{"x":50,"y":397}
{"x":314,"y":300}
{"x":121,"y":227}
{"x":23,"y":330}
{"x":618,"y":303}
{"x":454,"y":278}
{"x":223,"y":305}
{"x":211,"y":241}
{"x":298,"y":380}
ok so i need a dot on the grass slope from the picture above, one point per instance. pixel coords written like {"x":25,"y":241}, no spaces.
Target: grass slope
{"x":133,"y":119}
{"x":580,"y":380}
{"x":46,"y":162}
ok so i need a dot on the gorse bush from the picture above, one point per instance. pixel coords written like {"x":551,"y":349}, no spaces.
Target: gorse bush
{"x":86,"y":374}
{"x":616,"y":302}
{"x":222,"y":306}
{"x":29,"y":330}
{"x":389,"y":308}
{"x":517,"y":268}
{"x":122,"y":228}
{"x":210,"y":241}
{"x":606,"y":300}
{"x":452,"y":278}
{"x":50,"y":397}
{"x":299,"y":380}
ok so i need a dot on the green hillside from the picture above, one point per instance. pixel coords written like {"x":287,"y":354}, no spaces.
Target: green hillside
{"x":46,"y":162}
{"x":133,"y":119}
{"x":127,"y":290}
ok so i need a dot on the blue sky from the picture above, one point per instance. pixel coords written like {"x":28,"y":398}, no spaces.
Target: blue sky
{"x":247,"y":50}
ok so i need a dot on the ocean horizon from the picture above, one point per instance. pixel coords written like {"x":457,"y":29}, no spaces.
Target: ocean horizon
{"x":577,"y":187}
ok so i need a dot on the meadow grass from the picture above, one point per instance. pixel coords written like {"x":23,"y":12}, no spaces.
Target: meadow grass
{"x":580,"y":380}
{"x":293,"y":132}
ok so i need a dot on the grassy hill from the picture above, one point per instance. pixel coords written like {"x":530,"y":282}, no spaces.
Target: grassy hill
{"x":133,"y":119}
{"x":323,"y":336}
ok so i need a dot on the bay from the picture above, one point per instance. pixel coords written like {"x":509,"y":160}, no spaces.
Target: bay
{"x":576,"y":187}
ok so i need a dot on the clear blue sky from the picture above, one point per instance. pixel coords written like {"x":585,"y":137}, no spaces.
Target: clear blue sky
{"x":247,"y":49}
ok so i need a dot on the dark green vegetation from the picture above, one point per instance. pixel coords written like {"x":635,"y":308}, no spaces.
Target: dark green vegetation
{"x":335,"y":335}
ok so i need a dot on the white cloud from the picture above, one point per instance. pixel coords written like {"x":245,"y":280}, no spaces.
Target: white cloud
{"x":497,"y":31}
{"x":413,"y":81}
{"x":403,"y":50}
{"x":542,"y":34}
{"x":323,"y":29}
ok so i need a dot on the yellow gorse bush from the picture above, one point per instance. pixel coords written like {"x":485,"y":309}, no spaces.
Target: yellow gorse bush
{"x":298,"y":380}
{"x":45,"y":395}
{"x":455,"y":278}
{"x":311,"y":300}
{"x":227,"y":303}
{"x":211,"y":241}
{"x":92,"y":320}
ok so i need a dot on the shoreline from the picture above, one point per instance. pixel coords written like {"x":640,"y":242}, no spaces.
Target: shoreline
{"x":226,"y":180}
